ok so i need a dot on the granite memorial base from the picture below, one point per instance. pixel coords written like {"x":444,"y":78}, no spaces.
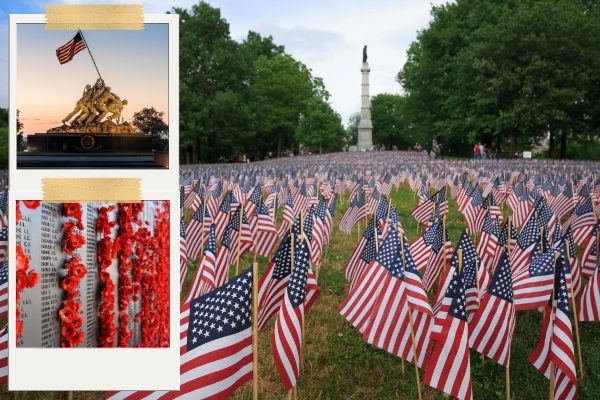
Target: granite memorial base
{"x":89,"y":150}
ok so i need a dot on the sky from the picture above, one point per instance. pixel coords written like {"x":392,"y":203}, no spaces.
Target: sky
{"x":326,"y":35}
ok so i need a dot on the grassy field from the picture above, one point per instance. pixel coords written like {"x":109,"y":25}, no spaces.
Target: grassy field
{"x":338,"y":364}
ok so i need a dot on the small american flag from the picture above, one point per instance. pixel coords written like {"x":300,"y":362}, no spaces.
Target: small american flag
{"x":4,"y":356}
{"x":66,"y":52}
{"x":286,"y":340}
{"x":492,"y":327}
{"x":3,"y":243}
{"x":183,"y":259}
{"x":4,"y":291}
{"x":449,"y":368}
{"x":589,"y":309}
{"x":533,"y":286}
{"x":556,"y":341}
{"x":204,"y":277}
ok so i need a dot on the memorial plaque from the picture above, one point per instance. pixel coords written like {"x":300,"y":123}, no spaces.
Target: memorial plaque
{"x":40,"y":233}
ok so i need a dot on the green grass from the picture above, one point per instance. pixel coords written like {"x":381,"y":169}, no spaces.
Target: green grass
{"x":339,"y":364}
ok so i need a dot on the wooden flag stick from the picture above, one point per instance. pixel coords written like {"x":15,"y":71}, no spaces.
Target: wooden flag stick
{"x":239,"y":241}
{"x":254,"y":329}
{"x":509,"y":235}
{"x":552,"y":377}
{"x":574,"y":305}
{"x":69,"y":395}
{"x":507,"y":376}
{"x":202,"y":223}
{"x":412,"y":329}
{"x":375,"y":234}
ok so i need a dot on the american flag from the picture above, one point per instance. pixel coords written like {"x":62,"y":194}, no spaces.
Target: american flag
{"x":222,"y":217}
{"x":474,"y":211}
{"x":564,"y":202}
{"x":197,"y":231}
{"x":4,"y":290}
{"x":183,"y":259}
{"x":449,"y":368}
{"x":318,"y":239}
{"x":273,"y":281}
{"x":196,"y":197}
{"x":289,"y":214}
{"x":266,"y":232}
{"x":204,"y":277}
{"x":589,"y":253}
{"x":242,"y":236}
{"x":431,"y":252}
{"x":3,"y":243}
{"x":520,"y":255}
{"x":362,"y":255}
{"x":286,"y":340}
{"x":4,"y":356}
{"x":329,"y":216}
{"x":446,"y":291}
{"x":556,"y":342}
{"x":215,"y":345}
{"x":589,"y":307}
{"x":582,"y":220}
{"x":492,"y":327}
{"x":532,"y":286}
{"x":67,"y":51}
{"x":389,"y":323}
{"x":488,"y":247}
{"x":213,"y":200}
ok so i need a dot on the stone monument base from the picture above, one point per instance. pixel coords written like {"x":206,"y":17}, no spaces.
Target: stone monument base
{"x":88,"y":142}
{"x":89,"y":150}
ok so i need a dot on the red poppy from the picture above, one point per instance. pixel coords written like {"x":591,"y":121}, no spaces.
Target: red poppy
{"x":69,"y":283}
{"x":18,"y":212}
{"x":32,"y":204}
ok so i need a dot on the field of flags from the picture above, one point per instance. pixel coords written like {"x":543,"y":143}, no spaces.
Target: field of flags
{"x":529,"y":246}
{"x":388,"y":275}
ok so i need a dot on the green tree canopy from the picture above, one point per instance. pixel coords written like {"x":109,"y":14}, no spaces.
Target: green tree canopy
{"x":237,"y":97}
{"x":150,"y":121}
{"x":507,"y":73}
{"x":321,"y":127}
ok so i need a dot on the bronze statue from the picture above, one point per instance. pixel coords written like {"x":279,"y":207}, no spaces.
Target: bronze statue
{"x":81,"y":105}
{"x":97,"y":103}
{"x":365,"y":54}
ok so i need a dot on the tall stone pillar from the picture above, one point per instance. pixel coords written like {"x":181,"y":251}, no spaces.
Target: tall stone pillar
{"x":365,"y":127}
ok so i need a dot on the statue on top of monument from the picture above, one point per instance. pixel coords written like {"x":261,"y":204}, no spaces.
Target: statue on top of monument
{"x":97,"y":103}
{"x":365,"y":54}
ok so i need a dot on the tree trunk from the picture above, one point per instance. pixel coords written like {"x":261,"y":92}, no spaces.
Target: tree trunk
{"x":278,"y":144}
{"x":320,"y":147}
{"x":551,"y":144}
{"x":513,"y":143}
{"x":563,"y":145}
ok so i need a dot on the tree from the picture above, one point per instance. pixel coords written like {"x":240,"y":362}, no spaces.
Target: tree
{"x":20,"y":145}
{"x":150,"y":121}
{"x":505,"y":72}
{"x":352,"y":129}
{"x":389,"y":124}
{"x":280,"y":94}
{"x":320,"y":127}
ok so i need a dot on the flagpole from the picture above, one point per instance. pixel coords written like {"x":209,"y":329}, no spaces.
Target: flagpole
{"x":89,"y":51}
{"x":507,"y":376}
{"x":255,"y":330}
{"x":292,"y":391}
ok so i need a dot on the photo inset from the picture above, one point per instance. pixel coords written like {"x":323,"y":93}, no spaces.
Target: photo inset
{"x":101,"y":101}
{"x":92,"y":274}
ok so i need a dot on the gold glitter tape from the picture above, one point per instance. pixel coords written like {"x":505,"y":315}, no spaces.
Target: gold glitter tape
{"x":94,"y":16}
{"x":60,"y":190}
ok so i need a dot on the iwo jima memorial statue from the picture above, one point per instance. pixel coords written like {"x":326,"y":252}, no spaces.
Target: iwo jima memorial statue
{"x":94,"y":134}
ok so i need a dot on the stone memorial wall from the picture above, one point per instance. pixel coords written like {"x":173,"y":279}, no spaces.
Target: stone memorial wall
{"x":40,"y":233}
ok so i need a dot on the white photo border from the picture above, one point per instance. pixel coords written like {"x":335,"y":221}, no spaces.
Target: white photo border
{"x":98,"y":369}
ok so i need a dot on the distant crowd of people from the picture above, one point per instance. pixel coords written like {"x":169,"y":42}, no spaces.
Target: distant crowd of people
{"x":435,"y":152}
{"x":481,"y":153}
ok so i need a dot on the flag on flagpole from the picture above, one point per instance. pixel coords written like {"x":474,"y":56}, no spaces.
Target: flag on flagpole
{"x":67,"y":51}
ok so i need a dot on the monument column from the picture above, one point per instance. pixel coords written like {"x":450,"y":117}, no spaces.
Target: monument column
{"x":365,"y":127}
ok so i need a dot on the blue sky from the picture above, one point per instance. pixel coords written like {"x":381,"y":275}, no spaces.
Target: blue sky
{"x":327,"y":36}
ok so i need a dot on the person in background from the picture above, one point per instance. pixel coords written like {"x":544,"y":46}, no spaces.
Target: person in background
{"x":477,"y":151}
{"x":481,"y":151}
